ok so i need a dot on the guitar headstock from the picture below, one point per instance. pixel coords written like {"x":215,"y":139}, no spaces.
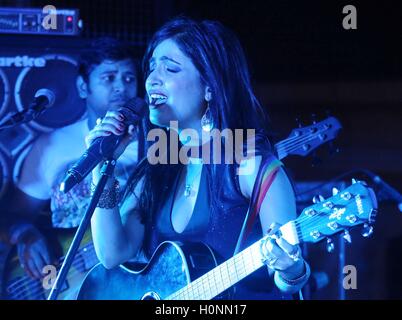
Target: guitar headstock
{"x":351,"y":207}
{"x":302,"y":141}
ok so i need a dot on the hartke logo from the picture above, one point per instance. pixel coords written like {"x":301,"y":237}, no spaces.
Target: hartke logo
{"x":21,"y":62}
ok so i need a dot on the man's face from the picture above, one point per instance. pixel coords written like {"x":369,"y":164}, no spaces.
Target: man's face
{"x":111,"y":84}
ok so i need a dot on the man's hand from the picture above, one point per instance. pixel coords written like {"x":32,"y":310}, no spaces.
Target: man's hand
{"x":33,"y":251}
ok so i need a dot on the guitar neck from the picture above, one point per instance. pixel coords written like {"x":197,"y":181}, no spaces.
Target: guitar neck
{"x":303,"y":140}
{"x":222,"y":277}
{"x":285,"y":147}
{"x":280,"y":152}
{"x":231,"y":271}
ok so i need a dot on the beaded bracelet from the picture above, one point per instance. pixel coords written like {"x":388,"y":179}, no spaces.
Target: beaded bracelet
{"x":109,"y":197}
{"x":292,"y":285}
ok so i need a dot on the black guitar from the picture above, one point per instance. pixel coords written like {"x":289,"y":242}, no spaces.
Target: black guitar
{"x":178,"y":271}
{"x":304,"y":140}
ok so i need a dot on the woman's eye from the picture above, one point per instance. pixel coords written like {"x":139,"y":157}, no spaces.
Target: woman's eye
{"x":172,"y":70}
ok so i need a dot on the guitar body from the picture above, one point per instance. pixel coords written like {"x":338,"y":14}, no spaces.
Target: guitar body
{"x":172,"y":266}
{"x":17,"y":285}
{"x":190,"y":271}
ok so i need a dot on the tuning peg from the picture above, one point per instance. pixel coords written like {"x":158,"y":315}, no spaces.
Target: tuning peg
{"x":318,"y":198}
{"x":330,"y":245}
{"x":347,"y":236}
{"x":367,"y":230}
{"x":335,"y":191}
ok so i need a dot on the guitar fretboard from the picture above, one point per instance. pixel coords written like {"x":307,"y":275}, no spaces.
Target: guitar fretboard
{"x":222,"y":277}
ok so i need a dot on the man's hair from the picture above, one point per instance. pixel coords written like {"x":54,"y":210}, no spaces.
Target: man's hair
{"x":102,"y":49}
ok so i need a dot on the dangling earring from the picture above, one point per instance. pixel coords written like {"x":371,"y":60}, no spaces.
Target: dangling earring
{"x":207,"y":122}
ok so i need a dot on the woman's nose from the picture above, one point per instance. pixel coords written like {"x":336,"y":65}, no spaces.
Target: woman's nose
{"x":154,"y":79}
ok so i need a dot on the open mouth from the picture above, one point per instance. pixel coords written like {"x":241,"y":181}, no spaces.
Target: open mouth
{"x":157,"y":99}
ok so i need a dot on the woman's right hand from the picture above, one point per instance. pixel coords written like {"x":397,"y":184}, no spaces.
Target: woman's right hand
{"x":112,"y":123}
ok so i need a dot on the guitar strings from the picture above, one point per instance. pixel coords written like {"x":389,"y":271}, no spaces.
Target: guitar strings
{"x":297,"y":145}
{"x":239,"y":272}
{"x":305,"y":217}
{"x":28,"y":283}
{"x":32,"y":283}
{"x":90,"y":246}
{"x":291,"y":139}
{"x":308,"y":230}
{"x":34,"y":286}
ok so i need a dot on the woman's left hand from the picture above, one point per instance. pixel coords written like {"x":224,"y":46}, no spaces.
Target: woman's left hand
{"x":281,"y":256}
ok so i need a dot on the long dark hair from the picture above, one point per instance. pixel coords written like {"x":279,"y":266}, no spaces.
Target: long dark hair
{"x":218,"y":56}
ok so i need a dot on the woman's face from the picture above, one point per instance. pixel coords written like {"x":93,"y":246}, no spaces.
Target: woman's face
{"x":174,"y":85}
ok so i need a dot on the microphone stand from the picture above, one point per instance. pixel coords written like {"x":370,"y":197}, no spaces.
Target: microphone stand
{"x":19,"y":118}
{"x":106,"y":172}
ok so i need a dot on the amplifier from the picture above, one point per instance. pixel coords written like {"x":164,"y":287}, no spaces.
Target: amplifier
{"x":27,"y":64}
{"x":48,"y":20}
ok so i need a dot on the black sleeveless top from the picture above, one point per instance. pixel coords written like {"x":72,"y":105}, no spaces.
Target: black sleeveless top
{"x":217,"y":221}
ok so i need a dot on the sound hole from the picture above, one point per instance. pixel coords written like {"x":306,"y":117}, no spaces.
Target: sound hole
{"x":150,"y":296}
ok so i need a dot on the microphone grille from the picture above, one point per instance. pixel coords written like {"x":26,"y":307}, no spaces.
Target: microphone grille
{"x":137,"y":109}
{"x":137,"y":105}
{"x":48,"y":94}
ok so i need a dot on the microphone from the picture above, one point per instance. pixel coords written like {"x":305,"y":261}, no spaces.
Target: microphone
{"x":44,"y":99}
{"x":103,"y":147}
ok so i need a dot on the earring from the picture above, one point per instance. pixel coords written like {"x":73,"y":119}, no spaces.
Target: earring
{"x":207,"y":122}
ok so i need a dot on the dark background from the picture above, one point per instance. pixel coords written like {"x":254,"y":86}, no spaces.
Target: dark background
{"x":303,"y":62}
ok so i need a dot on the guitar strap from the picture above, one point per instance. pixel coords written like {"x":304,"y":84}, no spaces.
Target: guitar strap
{"x":266,"y":175}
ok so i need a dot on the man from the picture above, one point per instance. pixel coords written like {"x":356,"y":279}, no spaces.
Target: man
{"x":107,"y":79}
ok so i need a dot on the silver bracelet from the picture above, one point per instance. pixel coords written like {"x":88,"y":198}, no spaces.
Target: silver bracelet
{"x":110,"y":197}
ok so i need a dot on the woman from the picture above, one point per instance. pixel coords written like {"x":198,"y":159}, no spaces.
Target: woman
{"x":197,"y":77}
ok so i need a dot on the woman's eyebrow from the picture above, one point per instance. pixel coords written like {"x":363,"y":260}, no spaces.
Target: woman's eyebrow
{"x":164,"y":58}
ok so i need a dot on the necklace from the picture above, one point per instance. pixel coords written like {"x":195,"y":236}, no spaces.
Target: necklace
{"x":189,"y":185}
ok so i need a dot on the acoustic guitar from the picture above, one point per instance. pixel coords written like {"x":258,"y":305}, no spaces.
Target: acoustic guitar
{"x":177,"y":271}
